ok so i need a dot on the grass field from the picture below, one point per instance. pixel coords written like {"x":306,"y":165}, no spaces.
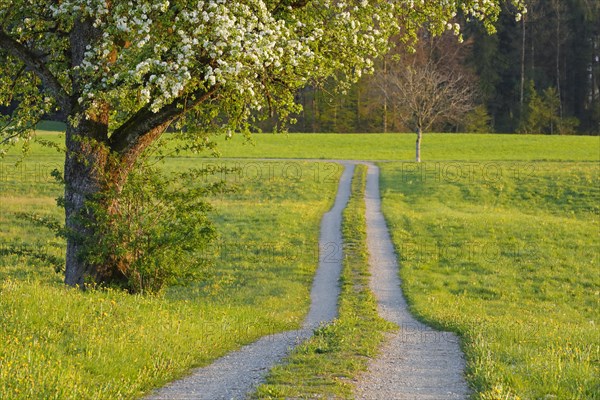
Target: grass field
{"x":400,"y":147}
{"x":436,"y":147}
{"x":63,"y":344}
{"x":510,"y":261}
{"x":498,"y":242}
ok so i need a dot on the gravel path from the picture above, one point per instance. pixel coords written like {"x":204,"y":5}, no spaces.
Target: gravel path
{"x":237,"y":374}
{"x":417,"y":362}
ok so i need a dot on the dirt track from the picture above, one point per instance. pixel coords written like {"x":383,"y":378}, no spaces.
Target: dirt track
{"x":418,"y":362}
{"x":238,"y":373}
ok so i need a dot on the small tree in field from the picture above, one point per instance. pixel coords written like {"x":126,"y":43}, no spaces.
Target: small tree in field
{"x":426,"y":89}
{"x":123,"y":72}
{"x":426,"y":95}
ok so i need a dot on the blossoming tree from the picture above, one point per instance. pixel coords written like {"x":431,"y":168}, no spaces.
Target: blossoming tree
{"x":124,"y":71}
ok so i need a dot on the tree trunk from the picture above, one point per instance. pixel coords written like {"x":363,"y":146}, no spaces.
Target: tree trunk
{"x":85,"y":164}
{"x":385,"y":102}
{"x":93,"y":168}
{"x":357,"y":127}
{"x":558,"y":43}
{"x":315,"y":121}
{"x":419,"y":137}
{"x":97,"y":164}
{"x":523,"y":44}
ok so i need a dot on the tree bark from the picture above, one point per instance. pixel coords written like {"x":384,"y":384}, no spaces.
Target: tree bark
{"x":96,"y":163}
{"x":522,"y":88}
{"x":557,"y":9}
{"x":93,"y":169}
{"x":418,"y":149}
{"x":385,"y":103}
{"x":85,"y":164}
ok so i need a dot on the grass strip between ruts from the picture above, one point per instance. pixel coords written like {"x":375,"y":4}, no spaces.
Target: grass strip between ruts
{"x":327,"y":364}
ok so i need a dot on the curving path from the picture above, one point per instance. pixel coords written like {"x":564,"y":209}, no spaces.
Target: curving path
{"x":418,"y":362}
{"x":237,"y":374}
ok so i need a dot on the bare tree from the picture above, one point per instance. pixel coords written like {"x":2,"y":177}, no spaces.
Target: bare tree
{"x":426,"y":94}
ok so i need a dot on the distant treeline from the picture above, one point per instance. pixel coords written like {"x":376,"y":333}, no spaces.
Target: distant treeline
{"x":537,"y":75}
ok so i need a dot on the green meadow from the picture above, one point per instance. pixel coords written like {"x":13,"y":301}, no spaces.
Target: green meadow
{"x":510,"y":261}
{"x":395,"y":146}
{"x":497,"y":237}
{"x":440,"y":147}
{"x":59,"y":343}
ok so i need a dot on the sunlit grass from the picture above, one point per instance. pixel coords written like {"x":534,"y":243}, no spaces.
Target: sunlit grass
{"x":390,"y":146}
{"x":510,"y":262}
{"x":400,"y":146}
{"x":62,"y":344}
{"x":58,"y":343}
{"x":503,"y":252}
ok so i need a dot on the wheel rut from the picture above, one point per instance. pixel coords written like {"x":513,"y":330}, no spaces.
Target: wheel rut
{"x":418,"y":362}
{"x":237,"y":374}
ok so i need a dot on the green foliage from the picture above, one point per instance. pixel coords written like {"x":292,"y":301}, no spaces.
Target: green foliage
{"x":543,"y":114}
{"x":325,"y":109}
{"x":123,"y":72}
{"x":554,"y":45}
{"x":156,"y":230}
{"x":326,"y":364}
{"x":478,"y":121}
{"x":249,"y":56}
{"x":560,"y":49}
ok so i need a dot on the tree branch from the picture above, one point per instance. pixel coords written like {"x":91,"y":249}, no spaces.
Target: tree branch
{"x":34,"y":63}
{"x":144,"y":120}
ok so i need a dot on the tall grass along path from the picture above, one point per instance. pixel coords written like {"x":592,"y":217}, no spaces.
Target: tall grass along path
{"x":418,"y":362}
{"x":237,"y":374}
